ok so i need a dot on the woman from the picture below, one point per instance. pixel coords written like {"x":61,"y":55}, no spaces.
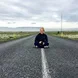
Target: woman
{"x":41,"y":39}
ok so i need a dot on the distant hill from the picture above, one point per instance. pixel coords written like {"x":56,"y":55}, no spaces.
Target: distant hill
{"x":34,"y":29}
{"x":19,"y":29}
{"x":59,"y":29}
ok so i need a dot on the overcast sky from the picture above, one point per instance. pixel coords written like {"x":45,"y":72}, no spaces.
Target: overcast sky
{"x":46,"y":13}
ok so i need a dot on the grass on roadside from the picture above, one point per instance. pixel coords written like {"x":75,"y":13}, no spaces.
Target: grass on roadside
{"x":66,"y":35}
{"x":8,"y":36}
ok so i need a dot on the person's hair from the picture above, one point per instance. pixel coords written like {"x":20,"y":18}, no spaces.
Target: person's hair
{"x":42,"y":28}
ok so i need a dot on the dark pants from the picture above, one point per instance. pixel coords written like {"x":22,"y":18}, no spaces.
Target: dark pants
{"x":41,"y":45}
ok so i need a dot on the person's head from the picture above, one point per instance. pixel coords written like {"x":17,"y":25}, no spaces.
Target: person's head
{"x":42,"y":30}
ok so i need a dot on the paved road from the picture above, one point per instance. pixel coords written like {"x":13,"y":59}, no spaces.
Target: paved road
{"x":18,"y":59}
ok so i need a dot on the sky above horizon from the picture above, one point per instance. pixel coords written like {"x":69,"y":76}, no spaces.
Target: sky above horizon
{"x":44,"y":13}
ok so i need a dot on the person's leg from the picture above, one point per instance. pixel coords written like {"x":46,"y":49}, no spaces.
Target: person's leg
{"x":37,"y":45}
{"x":41,"y":45}
{"x":46,"y":44}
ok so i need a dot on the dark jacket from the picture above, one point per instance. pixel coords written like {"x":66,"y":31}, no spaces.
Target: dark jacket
{"x":41,"y":37}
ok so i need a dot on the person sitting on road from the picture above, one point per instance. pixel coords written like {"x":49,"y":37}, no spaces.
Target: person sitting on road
{"x":41,"y":39}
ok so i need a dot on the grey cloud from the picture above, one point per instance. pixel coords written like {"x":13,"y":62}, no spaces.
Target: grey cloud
{"x":43,"y":9}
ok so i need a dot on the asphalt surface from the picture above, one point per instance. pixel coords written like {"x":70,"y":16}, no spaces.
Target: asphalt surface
{"x":19,"y":58}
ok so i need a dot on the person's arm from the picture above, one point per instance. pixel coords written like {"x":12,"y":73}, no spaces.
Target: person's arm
{"x":36,"y":39}
{"x":46,"y":39}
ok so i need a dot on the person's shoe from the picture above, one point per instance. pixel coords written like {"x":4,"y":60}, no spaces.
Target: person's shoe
{"x":46,"y":46}
{"x":36,"y":46}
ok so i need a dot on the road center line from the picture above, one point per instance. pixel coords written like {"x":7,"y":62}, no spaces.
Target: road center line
{"x":45,"y":68}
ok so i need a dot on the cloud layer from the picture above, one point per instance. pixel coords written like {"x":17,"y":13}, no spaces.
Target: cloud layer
{"x":39,"y":10}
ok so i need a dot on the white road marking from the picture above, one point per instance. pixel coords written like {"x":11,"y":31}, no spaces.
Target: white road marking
{"x":45,"y":68}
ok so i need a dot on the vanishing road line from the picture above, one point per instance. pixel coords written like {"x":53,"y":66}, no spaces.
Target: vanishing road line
{"x":45,"y":68}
